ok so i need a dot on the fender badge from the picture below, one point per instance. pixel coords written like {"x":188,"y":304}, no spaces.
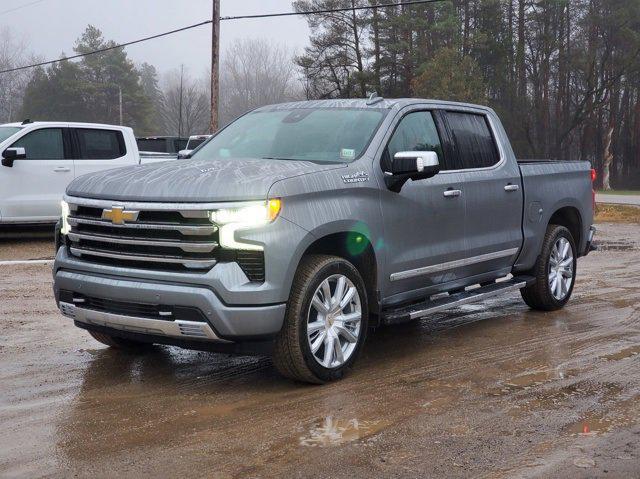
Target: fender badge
{"x":359,"y":177}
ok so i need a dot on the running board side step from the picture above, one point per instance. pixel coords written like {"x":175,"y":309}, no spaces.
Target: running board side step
{"x":439,"y":303}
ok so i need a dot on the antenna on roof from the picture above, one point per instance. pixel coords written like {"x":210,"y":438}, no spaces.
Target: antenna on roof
{"x":27,"y":121}
{"x":374,"y":98}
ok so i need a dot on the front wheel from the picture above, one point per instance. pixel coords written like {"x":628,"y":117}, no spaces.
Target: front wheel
{"x":326,"y":321}
{"x":555,"y":271}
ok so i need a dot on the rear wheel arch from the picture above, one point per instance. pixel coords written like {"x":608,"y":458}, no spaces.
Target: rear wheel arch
{"x":570,"y":218}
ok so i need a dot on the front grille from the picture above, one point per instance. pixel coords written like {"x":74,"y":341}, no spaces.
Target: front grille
{"x":138,"y":310}
{"x":153,"y":236}
{"x":165,"y":239}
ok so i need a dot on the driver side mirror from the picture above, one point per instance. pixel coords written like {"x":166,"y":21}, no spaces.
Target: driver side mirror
{"x":11,"y":154}
{"x":411,"y":165}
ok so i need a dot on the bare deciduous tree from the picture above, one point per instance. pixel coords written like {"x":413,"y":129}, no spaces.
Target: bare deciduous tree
{"x":192,"y":95}
{"x":255,"y":73}
{"x":13,"y":53}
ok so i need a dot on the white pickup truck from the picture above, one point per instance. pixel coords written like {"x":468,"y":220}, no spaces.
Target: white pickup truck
{"x":39,"y":160}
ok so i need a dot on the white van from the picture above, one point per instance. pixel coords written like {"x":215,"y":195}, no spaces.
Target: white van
{"x":39,"y":160}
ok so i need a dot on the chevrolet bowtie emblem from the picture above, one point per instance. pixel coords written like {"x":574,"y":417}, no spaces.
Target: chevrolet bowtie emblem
{"x":118,"y":216}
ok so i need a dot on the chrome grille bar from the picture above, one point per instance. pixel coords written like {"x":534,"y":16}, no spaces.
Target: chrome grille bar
{"x":190,"y":247}
{"x":184,"y":229}
{"x":188,"y":263}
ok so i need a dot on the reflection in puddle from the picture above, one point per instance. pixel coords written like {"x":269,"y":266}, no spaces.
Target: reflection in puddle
{"x":334,"y":432}
{"x":601,"y":422}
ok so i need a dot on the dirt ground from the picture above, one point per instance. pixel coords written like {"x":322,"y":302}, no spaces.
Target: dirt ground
{"x":486,"y":390}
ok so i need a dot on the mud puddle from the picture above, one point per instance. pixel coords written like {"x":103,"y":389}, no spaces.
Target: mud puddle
{"x":330,"y":431}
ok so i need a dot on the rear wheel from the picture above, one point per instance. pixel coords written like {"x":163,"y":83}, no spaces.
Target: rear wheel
{"x":555,"y":271}
{"x":326,"y":321}
{"x":119,"y":343}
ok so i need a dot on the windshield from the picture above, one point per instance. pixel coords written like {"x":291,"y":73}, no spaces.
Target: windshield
{"x":7,"y":131}
{"x":337,"y":135}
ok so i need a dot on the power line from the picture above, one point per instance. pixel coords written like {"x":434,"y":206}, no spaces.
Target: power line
{"x":20,"y":7}
{"x":207,"y":22}
{"x":106,"y":49}
{"x":331,"y":10}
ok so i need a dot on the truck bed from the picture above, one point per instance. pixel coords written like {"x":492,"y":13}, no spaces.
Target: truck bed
{"x":548,"y":186}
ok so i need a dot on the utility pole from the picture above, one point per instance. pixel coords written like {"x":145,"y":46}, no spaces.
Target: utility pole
{"x":120,"y":102}
{"x":180,"y":102}
{"x":215,"y":65}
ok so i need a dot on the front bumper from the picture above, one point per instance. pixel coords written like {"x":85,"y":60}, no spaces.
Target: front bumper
{"x":222,"y":322}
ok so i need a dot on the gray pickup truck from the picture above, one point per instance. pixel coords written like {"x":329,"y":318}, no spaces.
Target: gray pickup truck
{"x":300,"y":226}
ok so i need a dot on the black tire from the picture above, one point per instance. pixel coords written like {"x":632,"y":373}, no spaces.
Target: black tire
{"x":539,"y":295}
{"x":292,"y":355}
{"x":120,"y":343}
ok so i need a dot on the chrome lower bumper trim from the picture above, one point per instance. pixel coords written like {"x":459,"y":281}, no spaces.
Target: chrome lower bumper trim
{"x":175,"y":329}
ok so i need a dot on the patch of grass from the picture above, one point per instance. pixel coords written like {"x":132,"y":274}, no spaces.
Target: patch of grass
{"x":620,"y":192}
{"x":617,"y":214}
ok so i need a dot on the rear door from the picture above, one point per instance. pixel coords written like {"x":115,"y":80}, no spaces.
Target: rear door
{"x":32,"y":189}
{"x":99,"y":149}
{"x":492,"y":189}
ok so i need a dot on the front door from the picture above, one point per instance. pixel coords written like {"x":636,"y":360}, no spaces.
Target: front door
{"x":424,"y":231}
{"x":32,"y":189}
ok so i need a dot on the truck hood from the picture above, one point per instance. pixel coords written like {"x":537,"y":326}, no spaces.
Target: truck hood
{"x":192,"y":180}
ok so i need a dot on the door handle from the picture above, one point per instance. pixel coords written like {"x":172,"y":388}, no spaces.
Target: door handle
{"x":452,"y":193}
{"x":512,"y":188}
{"x":62,"y":169}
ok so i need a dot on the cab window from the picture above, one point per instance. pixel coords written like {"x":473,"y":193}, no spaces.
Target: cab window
{"x":474,"y":143}
{"x":417,"y":131}
{"x":100,"y":144}
{"x":43,"y":144}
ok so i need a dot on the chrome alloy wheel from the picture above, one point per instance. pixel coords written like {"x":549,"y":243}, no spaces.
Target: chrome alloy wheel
{"x":333,"y":321}
{"x":561,"y":269}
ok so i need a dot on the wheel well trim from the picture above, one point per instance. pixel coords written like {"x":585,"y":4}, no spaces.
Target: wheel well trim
{"x":327,"y":233}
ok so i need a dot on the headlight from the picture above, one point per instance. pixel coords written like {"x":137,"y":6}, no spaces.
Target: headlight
{"x":65,"y":217}
{"x":250,"y":215}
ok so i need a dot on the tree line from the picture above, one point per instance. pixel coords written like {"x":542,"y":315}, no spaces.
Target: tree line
{"x":564,"y":75}
{"x":254,"y":73}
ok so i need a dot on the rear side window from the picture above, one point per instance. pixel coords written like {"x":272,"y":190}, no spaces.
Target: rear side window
{"x":474,"y":143}
{"x":43,"y":144}
{"x":154,"y":145}
{"x":100,"y":144}
{"x":416,"y":132}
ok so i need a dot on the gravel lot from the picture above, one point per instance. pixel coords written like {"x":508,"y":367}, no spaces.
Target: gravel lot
{"x":486,"y":390}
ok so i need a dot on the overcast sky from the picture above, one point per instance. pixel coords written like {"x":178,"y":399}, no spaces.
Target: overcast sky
{"x":52,"y":26}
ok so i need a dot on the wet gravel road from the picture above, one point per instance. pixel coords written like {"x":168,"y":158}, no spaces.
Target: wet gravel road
{"x":487,"y":390}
